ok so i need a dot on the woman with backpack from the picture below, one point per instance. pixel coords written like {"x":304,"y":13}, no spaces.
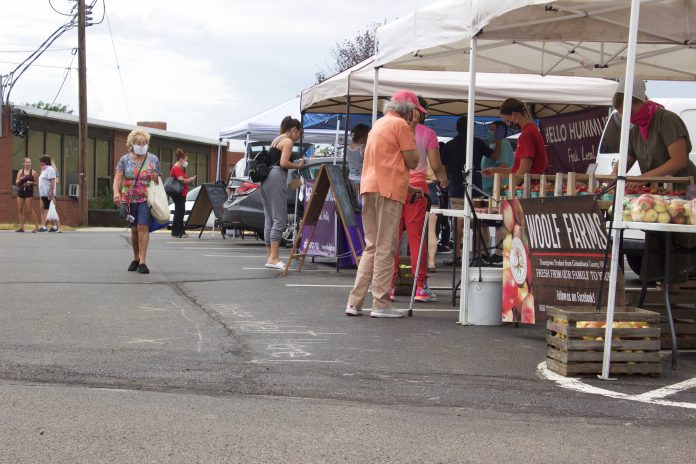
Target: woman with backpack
{"x":274,"y":189}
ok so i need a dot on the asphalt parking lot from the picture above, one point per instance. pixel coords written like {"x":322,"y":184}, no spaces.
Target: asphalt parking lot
{"x":210,"y":331}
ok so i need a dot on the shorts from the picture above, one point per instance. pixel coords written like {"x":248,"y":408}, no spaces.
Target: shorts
{"x":141,"y":213}
{"x":46,"y":202}
{"x":434,"y":192}
{"x":456,"y":203}
{"x":25,"y":193}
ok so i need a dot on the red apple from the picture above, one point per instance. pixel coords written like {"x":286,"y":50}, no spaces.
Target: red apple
{"x":508,"y":215}
{"x":527,"y":310}
{"x":510,"y":290}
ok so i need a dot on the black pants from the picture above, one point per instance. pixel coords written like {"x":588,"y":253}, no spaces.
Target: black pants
{"x":179,"y":209}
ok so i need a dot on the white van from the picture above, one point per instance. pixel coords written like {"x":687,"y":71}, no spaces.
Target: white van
{"x":685,"y":108}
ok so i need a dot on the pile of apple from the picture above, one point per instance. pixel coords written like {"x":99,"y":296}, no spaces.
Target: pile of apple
{"x":664,"y":210}
{"x":518,"y":301}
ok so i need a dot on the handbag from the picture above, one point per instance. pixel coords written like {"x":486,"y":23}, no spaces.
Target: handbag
{"x":173,"y":186}
{"x":124,"y":208}
{"x":157,"y":200}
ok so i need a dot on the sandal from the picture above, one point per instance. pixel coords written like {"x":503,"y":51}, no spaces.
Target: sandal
{"x":19,"y":230}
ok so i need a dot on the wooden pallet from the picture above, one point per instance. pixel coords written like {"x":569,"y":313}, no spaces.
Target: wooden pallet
{"x":572,"y":350}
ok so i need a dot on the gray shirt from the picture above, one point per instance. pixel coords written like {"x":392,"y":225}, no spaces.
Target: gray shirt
{"x":355,"y":162}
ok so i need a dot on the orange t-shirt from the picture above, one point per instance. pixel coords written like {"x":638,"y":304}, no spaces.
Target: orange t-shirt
{"x":384,"y":170}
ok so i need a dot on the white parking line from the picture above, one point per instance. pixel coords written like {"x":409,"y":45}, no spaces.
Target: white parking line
{"x":234,"y":256}
{"x":318,"y":285}
{"x":651,"y":397}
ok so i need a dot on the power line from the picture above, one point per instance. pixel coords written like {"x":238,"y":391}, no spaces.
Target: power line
{"x":67,"y":73}
{"x":39,"y":65}
{"x":60,"y":12}
{"x":30,"y":51}
{"x":118,"y":66}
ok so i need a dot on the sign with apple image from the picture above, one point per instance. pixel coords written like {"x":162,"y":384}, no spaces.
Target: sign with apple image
{"x":553,"y":254}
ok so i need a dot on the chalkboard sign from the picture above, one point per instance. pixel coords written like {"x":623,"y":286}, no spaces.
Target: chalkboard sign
{"x":329,"y":177}
{"x":211,"y":198}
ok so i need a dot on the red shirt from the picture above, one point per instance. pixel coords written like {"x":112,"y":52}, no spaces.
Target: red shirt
{"x":531,"y":145}
{"x":179,"y":172}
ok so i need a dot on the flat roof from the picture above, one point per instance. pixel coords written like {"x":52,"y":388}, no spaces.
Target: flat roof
{"x":72,"y":118}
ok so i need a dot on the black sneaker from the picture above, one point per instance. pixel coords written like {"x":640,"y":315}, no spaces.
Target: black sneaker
{"x":133,"y":265}
{"x":495,"y":260}
{"x":142,"y":269}
{"x":456,"y":261}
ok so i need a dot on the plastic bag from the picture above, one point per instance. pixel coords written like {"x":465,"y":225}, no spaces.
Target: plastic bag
{"x":52,"y":214}
{"x":157,"y":200}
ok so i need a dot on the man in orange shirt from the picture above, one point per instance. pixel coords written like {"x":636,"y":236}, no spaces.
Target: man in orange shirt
{"x":389,"y":154}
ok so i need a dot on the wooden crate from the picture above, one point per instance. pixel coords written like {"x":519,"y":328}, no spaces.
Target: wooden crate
{"x":572,"y":350}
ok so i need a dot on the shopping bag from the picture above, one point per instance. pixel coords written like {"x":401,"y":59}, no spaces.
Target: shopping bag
{"x":155,"y":225}
{"x":157,"y":201}
{"x":173,"y":186}
{"x":52,"y":214}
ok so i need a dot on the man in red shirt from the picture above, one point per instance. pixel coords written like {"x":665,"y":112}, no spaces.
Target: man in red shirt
{"x":389,"y":154}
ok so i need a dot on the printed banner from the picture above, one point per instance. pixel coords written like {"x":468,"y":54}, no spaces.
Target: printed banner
{"x":324,"y":238}
{"x":553,"y":255}
{"x":572,"y":140}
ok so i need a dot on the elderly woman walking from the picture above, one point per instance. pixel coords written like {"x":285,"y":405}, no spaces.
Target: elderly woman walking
{"x":134,"y":171}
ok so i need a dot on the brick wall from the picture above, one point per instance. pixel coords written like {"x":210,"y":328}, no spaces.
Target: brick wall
{"x":6,"y":180}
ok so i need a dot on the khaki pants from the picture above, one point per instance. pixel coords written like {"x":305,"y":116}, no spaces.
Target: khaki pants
{"x":380,"y":218}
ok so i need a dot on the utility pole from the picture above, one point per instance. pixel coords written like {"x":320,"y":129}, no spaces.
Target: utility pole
{"x":82,"y":73}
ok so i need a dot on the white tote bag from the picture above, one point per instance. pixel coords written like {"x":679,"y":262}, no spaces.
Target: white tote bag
{"x":157,"y":201}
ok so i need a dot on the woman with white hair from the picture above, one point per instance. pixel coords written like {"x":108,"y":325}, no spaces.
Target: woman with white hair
{"x":390,"y":152}
{"x":134,"y":171}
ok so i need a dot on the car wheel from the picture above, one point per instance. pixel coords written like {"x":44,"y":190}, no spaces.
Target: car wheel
{"x":288,"y":237}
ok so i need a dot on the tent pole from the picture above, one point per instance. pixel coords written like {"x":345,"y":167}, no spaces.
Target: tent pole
{"x":375,"y":96}
{"x":620,"y":184}
{"x":247,"y":151}
{"x":345,"y":136}
{"x":218,"y":176}
{"x":338,"y":131}
{"x":463,"y":302}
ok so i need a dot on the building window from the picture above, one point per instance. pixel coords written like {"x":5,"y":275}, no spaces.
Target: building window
{"x":54,"y":143}
{"x":71,"y":162}
{"x":102,"y":168}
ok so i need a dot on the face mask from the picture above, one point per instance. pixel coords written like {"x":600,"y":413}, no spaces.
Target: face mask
{"x":140,"y":149}
{"x":185,"y":164}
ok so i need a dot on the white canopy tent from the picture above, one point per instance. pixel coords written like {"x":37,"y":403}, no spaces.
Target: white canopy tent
{"x":265,"y":126}
{"x":446,"y":91}
{"x":598,"y":38}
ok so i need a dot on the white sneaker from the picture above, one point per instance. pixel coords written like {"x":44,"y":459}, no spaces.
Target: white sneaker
{"x":387,"y":313}
{"x":279,"y":265}
{"x":353,"y":310}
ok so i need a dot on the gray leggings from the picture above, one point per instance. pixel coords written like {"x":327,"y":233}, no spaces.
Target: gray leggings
{"x":274,"y":194}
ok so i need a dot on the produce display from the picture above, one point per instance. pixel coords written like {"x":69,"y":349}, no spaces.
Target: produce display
{"x":657,"y":208}
{"x":518,"y":302}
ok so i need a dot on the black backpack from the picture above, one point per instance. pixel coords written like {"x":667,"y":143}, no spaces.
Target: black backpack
{"x":261,"y":166}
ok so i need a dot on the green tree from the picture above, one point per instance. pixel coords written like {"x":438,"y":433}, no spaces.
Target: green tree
{"x":48,"y":107}
{"x":349,"y":52}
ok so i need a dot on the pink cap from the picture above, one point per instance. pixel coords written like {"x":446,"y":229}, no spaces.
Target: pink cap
{"x":410,"y":97}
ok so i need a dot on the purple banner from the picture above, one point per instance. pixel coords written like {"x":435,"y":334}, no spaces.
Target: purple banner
{"x":324,"y":238}
{"x":572,"y":140}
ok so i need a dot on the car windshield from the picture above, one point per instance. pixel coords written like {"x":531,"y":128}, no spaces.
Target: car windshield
{"x":193,"y":194}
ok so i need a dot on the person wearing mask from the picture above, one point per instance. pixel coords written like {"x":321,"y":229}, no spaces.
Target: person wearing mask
{"x":530,"y":154}
{"x":47,"y":188}
{"x":179,"y":172}
{"x":134,"y":171}
{"x":454,"y":158}
{"x":274,"y":189}
{"x":390,"y":152}
{"x":659,"y":142}
{"x":413,"y":212}
{"x":502,"y":156}
{"x":355,"y":153}
{"x":26,"y":179}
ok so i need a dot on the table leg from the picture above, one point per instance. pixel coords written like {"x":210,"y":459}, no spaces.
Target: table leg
{"x":665,"y":292}
{"x":644,"y":270}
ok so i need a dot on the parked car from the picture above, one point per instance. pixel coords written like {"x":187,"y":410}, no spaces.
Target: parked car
{"x":190,"y":200}
{"x":244,"y":209}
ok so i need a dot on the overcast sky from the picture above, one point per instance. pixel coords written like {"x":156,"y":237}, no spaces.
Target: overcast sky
{"x":199,"y":66}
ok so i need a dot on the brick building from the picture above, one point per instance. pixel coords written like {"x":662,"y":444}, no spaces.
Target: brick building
{"x":56,"y":134}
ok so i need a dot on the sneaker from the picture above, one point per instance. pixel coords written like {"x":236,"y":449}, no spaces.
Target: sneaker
{"x":353,"y":310}
{"x":387,"y":313}
{"x":42,"y":229}
{"x":279,"y":265}
{"x":19,"y":230}
{"x":495,"y":260}
{"x":392,"y":298}
{"x":133,"y":265}
{"x":142,"y":269}
{"x":184,"y":235}
{"x":53,"y":229}
{"x":425,"y":295}
{"x":456,"y":261}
